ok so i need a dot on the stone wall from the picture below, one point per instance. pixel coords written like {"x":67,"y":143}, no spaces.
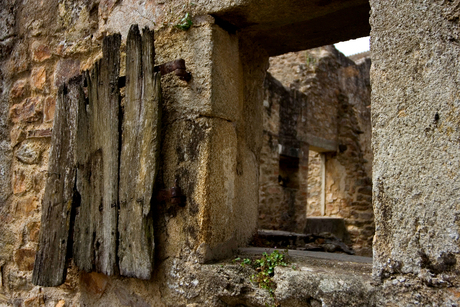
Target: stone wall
{"x":331,"y":119}
{"x":42,"y":46}
{"x":284,"y":160}
{"x":219,"y":115}
{"x":415,"y":134}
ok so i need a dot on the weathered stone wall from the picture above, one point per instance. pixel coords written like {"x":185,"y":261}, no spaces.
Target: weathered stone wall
{"x":209,"y":142}
{"x":415,"y":121}
{"x":414,"y":77}
{"x":333,"y":118}
{"x":284,"y":160}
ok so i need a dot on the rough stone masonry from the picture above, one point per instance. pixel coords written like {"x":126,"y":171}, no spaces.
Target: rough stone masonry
{"x":211,"y":141}
{"x":322,"y":108}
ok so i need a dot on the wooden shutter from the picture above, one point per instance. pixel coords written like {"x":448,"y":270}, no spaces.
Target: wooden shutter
{"x":100,"y":185}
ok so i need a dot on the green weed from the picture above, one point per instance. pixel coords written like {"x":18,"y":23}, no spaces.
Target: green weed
{"x":185,"y":23}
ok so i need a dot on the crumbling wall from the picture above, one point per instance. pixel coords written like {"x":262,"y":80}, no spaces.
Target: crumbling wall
{"x":334,"y":121}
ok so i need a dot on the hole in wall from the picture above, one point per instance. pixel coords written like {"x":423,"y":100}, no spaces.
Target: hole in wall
{"x":315,"y":169}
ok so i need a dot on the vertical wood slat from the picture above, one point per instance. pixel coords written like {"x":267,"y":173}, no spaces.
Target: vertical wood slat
{"x":139,"y":156}
{"x":97,"y":177}
{"x":50,"y":260}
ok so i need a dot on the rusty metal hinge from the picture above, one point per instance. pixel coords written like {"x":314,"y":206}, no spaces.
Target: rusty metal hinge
{"x":176,"y":66}
{"x":172,"y":195}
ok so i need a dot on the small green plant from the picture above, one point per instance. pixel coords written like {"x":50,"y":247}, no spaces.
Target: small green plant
{"x":185,"y":23}
{"x":265,"y":267}
{"x":309,"y":60}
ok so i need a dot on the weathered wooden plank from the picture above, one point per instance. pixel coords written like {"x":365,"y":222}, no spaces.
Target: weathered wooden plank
{"x":96,"y":221}
{"x":50,"y":260}
{"x":139,"y":155}
{"x":88,"y":180}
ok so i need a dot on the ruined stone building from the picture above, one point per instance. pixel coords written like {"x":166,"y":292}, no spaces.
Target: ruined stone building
{"x":317,"y":120}
{"x":136,"y":196}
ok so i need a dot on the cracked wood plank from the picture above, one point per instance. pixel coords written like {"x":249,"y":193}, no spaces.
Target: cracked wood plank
{"x":58,"y":201}
{"x":95,"y":238}
{"x":139,"y":155}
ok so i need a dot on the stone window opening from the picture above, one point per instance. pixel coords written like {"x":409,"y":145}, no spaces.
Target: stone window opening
{"x":317,"y":143}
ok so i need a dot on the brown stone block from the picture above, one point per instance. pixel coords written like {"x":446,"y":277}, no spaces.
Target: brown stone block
{"x":360,"y":205}
{"x":38,"y":181}
{"x":37,"y":301}
{"x":17,"y":135}
{"x":30,"y":110}
{"x":366,"y":190}
{"x":29,"y":152}
{"x":106,"y":7}
{"x":94,"y":282}
{"x":40,"y":52}
{"x":25,"y":258}
{"x":367,"y":216}
{"x":66,"y":69}
{"x":21,"y":181}
{"x":26,"y":205}
{"x":33,"y":229}
{"x":19,"y":61}
{"x":48,"y":109}
{"x":19,"y":88}
{"x":38,"y":78}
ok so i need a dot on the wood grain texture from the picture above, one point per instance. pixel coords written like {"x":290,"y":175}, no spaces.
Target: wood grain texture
{"x":139,"y":156}
{"x":98,"y":160}
{"x":58,"y":200}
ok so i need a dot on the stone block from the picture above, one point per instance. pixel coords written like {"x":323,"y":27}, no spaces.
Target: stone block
{"x":40,"y":52}
{"x":66,"y":69}
{"x":38,"y":181}
{"x":25,"y":206}
{"x":19,"y":60}
{"x":33,"y":229}
{"x":38,"y":78}
{"x":21,"y":181}
{"x":19,"y":89}
{"x":7,"y":16}
{"x":17,"y":135}
{"x":30,"y":110}
{"x":24,"y":258}
{"x":366,"y":216}
{"x":106,"y":7}
{"x":36,"y":301}
{"x":94,"y":282}
{"x":366,"y":190}
{"x":49,"y":108}
{"x":29,"y":152}
{"x":6,"y":47}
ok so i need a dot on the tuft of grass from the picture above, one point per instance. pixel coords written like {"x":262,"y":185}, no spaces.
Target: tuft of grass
{"x":265,"y":267}
{"x":185,"y":23}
